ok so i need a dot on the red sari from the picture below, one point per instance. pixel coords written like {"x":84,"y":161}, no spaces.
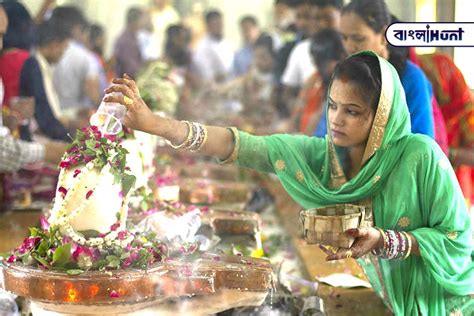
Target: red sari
{"x":312,"y":95}
{"x":11,"y":63}
{"x":456,"y":103}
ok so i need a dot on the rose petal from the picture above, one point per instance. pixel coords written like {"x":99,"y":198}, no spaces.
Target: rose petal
{"x":89,"y":193}
{"x":114,"y":294}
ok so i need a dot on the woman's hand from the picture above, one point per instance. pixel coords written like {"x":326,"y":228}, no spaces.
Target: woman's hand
{"x":367,"y":239}
{"x":138,"y":116}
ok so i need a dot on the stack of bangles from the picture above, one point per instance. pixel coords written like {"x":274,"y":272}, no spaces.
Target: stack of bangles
{"x":396,"y":245}
{"x":197,"y":137}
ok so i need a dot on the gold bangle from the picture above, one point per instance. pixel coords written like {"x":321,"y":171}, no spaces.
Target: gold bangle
{"x":409,"y":245}
{"x":235,"y":153}
{"x":188,"y":138}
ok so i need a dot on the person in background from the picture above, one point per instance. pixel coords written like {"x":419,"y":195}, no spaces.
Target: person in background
{"x":301,"y":8}
{"x":213,"y":57}
{"x":17,"y":44}
{"x":457,"y":106}
{"x":326,"y":50}
{"x":36,"y":79}
{"x":251,"y":33}
{"x":162,"y":15}
{"x":322,"y":14}
{"x":363,"y":25}
{"x":15,"y":153}
{"x":76,"y":76}
{"x":284,"y":28}
{"x":96,"y":44}
{"x":162,"y":81}
{"x":127,"y":53}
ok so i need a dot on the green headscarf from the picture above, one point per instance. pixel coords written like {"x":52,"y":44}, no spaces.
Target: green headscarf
{"x":406,"y":182}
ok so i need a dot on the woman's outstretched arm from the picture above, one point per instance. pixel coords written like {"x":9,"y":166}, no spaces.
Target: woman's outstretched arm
{"x":220,"y":141}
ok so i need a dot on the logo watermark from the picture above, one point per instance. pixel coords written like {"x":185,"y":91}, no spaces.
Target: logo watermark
{"x":431,"y":34}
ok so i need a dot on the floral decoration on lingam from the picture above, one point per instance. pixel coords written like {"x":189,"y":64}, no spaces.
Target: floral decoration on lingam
{"x":86,"y":229}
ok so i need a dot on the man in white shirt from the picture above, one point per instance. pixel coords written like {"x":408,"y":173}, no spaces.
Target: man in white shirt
{"x":76,"y":76}
{"x":323,"y":14}
{"x":213,"y":57}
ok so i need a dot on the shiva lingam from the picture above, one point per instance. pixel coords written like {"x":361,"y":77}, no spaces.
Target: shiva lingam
{"x":87,"y":262}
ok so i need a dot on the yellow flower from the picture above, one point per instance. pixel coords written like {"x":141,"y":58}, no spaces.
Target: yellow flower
{"x":455,"y":312}
{"x":404,"y":222}
{"x":376,"y":179}
{"x":300,"y":176}
{"x":257,"y":253}
{"x":280,"y":165}
{"x":452,"y":235}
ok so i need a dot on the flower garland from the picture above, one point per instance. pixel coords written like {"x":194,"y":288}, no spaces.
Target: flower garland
{"x":96,"y":151}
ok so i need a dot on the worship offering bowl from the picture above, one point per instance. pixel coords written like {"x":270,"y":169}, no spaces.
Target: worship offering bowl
{"x":128,"y":290}
{"x":327,"y":225}
{"x":206,"y":191}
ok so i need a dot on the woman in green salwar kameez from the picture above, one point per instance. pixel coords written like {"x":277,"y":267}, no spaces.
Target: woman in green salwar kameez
{"x":369,"y":158}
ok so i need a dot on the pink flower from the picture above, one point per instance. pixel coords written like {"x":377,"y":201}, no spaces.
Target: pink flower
{"x":64,"y":164}
{"x":11,"y":259}
{"x":122,"y":235}
{"x":76,"y":173}
{"x":121,"y":194}
{"x":79,"y":250}
{"x":62,"y":190}
{"x":114,"y":226}
{"x":44,"y":224}
{"x":89,"y":193}
{"x":114,"y":294}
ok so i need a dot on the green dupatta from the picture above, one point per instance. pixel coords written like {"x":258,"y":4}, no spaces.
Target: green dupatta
{"x":408,"y":183}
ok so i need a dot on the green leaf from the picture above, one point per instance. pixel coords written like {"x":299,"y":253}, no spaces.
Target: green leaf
{"x":89,"y":233}
{"x":111,"y":258}
{"x":41,"y":260}
{"x":74,"y":271}
{"x":125,"y":256}
{"x":35,"y":232}
{"x":128,"y":182}
{"x":114,"y":264}
{"x":90,"y":144}
{"x":43,"y":248}
{"x":61,"y":255}
{"x":90,"y":152}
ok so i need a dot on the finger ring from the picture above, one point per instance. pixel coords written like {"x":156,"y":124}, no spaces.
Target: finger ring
{"x":349,"y":254}
{"x":333,"y":249}
{"x":127,"y":100}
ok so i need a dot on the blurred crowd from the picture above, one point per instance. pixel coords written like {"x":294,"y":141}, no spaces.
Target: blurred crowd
{"x":54,"y":71}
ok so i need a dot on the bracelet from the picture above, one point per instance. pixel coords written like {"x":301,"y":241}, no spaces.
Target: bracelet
{"x":188,"y":138}
{"x":201,"y":139}
{"x":409,"y":243}
{"x":197,"y":135}
{"x":233,"y":156}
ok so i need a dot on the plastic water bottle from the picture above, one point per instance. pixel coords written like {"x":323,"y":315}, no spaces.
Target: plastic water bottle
{"x":109,"y":116}
{"x":8,"y":306}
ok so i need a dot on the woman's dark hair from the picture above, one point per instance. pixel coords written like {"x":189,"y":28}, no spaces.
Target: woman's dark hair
{"x":374,"y":12}
{"x":20,"y":29}
{"x":179,"y":55}
{"x":326,"y":46}
{"x":363,"y":71}
{"x":49,"y":31}
{"x":398,"y":55}
{"x":376,"y":15}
